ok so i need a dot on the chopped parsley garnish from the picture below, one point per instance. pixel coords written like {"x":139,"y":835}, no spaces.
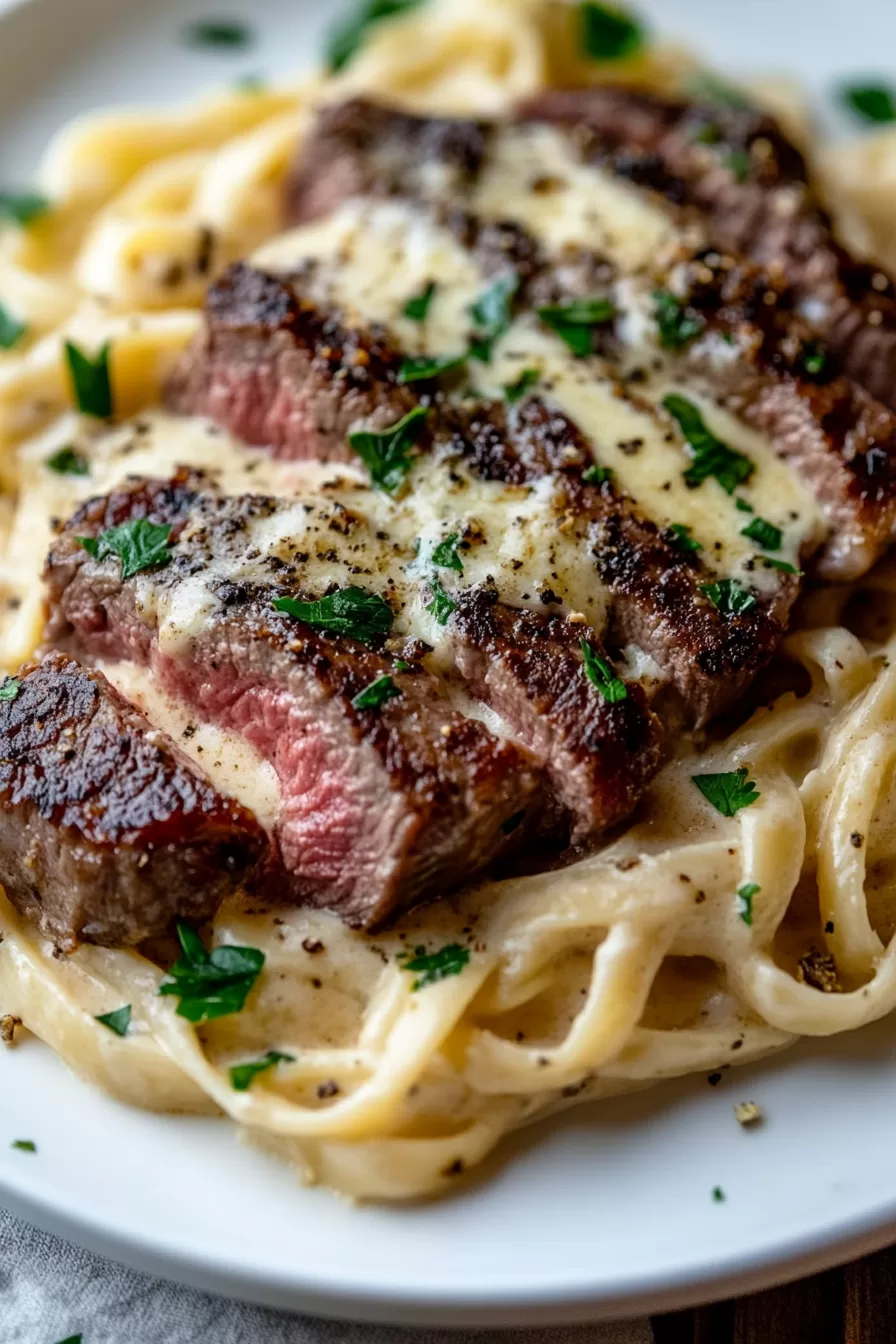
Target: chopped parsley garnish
{"x":516,"y":390}
{"x":417,"y":307}
{"x":608,"y":33}
{"x":73,"y":1339}
{"x":601,"y":674}
{"x":242,"y":1076}
{"x":69,"y":462}
{"x":90,"y":380}
{"x":119,"y":1021}
{"x":376,"y":694}
{"x":744,"y":505}
{"x":596,"y":475}
{"x":574,"y":322}
{"x":349,"y":35}
{"x":728,"y":792}
{"x":441,"y":605}
{"x":813,"y":359}
{"x":712,"y":457}
{"x":21,"y":207}
{"x":24,"y":1145}
{"x":745,"y":896}
{"x":782,"y":565}
{"x":11,"y":329}
{"x":874,"y":102}
{"x":229,"y":33}
{"x":413,"y":370}
{"x":739,"y":164}
{"x":683,"y":539}
{"x":492,"y":313}
{"x":718,"y":1194}
{"x":434,"y":966}
{"x":139,"y":545}
{"x":677,"y":324}
{"x":765,"y":534}
{"x":402,"y":666}
{"x":210,"y":985}
{"x":707,"y":134}
{"x":445,"y":554}
{"x":9,"y":688}
{"x":729,"y":597}
{"x":386,"y":452}
{"x":350,"y":611}
{"x":711,"y":89}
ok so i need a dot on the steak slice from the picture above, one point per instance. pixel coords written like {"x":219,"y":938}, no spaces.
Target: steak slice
{"x":751,"y":186}
{"x":381,"y":807}
{"x":107,"y":831}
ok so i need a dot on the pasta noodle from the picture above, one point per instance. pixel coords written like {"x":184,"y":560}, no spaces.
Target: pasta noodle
{"x":632,"y":965}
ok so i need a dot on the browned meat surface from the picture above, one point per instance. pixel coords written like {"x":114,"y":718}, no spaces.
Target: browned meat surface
{"x":380,"y":807}
{"x":107,"y":831}
{"x":750,"y":184}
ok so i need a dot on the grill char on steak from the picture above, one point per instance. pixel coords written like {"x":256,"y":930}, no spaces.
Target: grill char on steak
{"x":107,"y":831}
{"x":836,"y":430}
{"x":379,"y":808}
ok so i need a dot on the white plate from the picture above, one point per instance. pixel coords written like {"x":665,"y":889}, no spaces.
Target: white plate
{"x":605,"y":1212}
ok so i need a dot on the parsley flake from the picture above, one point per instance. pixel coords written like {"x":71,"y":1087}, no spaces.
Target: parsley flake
{"x":242,"y":1076}
{"x":677,"y":323}
{"x":386,"y":452}
{"x":210,"y":985}
{"x":376,"y":694}
{"x":73,"y":1339}
{"x":718,"y":1194}
{"x":119,"y":1021}
{"x":729,"y":597}
{"x":492,"y":313}
{"x":574,"y":322}
{"x":68,"y":462}
{"x":346,"y":39}
{"x":739,"y":164}
{"x":229,"y":33}
{"x":445,"y":555}
{"x":417,"y":307}
{"x":24,"y":1145}
{"x":683,"y":541}
{"x":608,"y":33}
{"x":601,"y":674}
{"x":350,"y":611}
{"x":515,"y":391}
{"x":712,"y":457}
{"x":597,"y":475}
{"x":435,"y":966}
{"x":813,"y":359}
{"x":10,"y":688}
{"x":139,"y":545}
{"x":744,"y":505}
{"x":772,"y":563}
{"x":11,"y":329}
{"x":90,"y":380}
{"x":21,"y":207}
{"x":729,"y":791}
{"x":874,"y":102}
{"x":764,"y":533}
{"x":402,"y":666}
{"x":441,"y":605}
{"x":745,"y":896}
{"x":413,"y":370}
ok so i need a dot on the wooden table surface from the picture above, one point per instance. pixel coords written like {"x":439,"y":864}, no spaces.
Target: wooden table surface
{"x":852,"y":1305}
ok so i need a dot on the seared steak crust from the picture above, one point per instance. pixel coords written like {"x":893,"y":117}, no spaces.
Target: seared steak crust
{"x":767,"y":213}
{"x":380,"y":808}
{"x":107,"y":831}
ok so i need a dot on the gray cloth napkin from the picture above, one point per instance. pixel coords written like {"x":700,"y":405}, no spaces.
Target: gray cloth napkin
{"x":50,"y":1289}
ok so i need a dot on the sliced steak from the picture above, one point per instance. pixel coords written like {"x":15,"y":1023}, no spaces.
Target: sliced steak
{"x":380,"y":807}
{"x":751,"y":186}
{"x":107,"y":831}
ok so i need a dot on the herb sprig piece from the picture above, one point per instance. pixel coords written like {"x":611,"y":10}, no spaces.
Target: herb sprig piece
{"x":874,"y":102}
{"x":11,"y":329}
{"x":21,"y":207}
{"x":225,"y":33}
{"x":729,"y":791}
{"x":729,"y":597}
{"x":431,"y":967}
{"x":515,"y":391}
{"x":9,"y":688}
{"x":492,"y":313}
{"x":386,"y":452}
{"x":445,"y":555}
{"x":242,"y":1076}
{"x":91,"y":380}
{"x":417,"y":306}
{"x":350,"y":34}
{"x":764,"y":533}
{"x":601,"y":674}
{"x":441,"y":605}
{"x":712,"y":457}
{"x":68,"y":462}
{"x":597,"y":475}
{"x":415,"y":369}
{"x":139,"y":545}
{"x":745,"y":896}
{"x":683,"y":541}
{"x":608,"y":33}
{"x":574,"y":322}
{"x":212,"y":984}
{"x":24,"y":1145}
{"x":350,"y":611}
{"x":376,"y":694}
{"x":119,"y":1021}
{"x":677,"y":324}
